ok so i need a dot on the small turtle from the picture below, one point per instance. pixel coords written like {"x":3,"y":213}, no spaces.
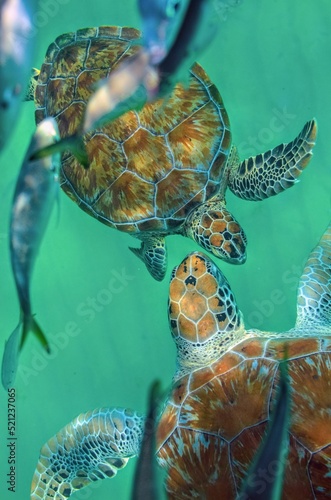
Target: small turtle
{"x":165,"y":169}
{"x":222,"y":397}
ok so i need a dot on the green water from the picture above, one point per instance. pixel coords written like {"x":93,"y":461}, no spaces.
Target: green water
{"x":271,"y":62}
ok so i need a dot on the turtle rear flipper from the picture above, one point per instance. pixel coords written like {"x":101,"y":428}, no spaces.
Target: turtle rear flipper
{"x":93,"y":446}
{"x":269,"y":173}
{"x":153,"y":253}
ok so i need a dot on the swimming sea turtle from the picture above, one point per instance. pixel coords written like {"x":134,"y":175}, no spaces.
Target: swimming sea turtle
{"x":163,"y":170}
{"x":222,"y":396}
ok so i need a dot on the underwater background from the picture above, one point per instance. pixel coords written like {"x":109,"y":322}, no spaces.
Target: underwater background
{"x":272,"y":64}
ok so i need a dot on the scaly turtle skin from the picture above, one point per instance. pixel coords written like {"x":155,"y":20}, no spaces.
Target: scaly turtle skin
{"x":163,"y":170}
{"x":222,"y":397}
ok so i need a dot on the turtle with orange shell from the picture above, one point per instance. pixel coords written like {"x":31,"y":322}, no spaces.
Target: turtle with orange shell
{"x":222,"y":396}
{"x":164,"y":169}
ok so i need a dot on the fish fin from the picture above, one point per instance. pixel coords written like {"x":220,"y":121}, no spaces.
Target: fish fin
{"x":74,"y":143}
{"x":155,"y":394}
{"x":79,"y":151}
{"x":58,"y":206}
{"x":145,"y":484}
{"x":10,"y":357}
{"x":57,"y":147}
{"x":31,"y":325}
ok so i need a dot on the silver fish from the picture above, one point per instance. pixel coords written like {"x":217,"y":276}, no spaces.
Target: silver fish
{"x":159,"y":21}
{"x":127,"y":87}
{"x":16,"y":52}
{"x":33,"y":201}
{"x":197,"y":29}
{"x":159,"y":65}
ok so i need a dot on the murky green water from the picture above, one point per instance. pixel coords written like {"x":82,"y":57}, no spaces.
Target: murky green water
{"x":271,"y":62}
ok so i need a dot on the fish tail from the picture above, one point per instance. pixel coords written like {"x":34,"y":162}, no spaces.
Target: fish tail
{"x":31,"y":325}
{"x":10,"y":358}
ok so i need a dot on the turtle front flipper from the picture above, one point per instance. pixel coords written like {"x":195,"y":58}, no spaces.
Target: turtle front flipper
{"x":93,"y":446}
{"x":269,"y":173}
{"x":31,"y":89}
{"x":216,"y":230}
{"x":203,"y":314}
{"x":153,"y":253}
{"x":314,"y":294}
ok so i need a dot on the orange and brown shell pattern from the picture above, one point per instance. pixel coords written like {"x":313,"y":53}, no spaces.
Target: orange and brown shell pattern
{"x":147,"y":169}
{"x":163,"y":169}
{"x":222,"y":398}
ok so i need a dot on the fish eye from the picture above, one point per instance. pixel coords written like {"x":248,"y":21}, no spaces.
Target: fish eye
{"x":8,"y":96}
{"x":173,"y":7}
{"x":4,"y":104}
{"x":176,"y":5}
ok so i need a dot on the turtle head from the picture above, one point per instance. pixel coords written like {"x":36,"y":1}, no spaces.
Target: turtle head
{"x":203,"y":315}
{"x":215,"y":229}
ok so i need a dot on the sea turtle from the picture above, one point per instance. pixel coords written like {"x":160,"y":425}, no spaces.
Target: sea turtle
{"x":221,"y":399}
{"x":165,"y":169}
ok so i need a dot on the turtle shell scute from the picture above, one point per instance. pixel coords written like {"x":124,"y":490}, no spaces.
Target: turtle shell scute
{"x":148,"y":169}
{"x":227,"y":406}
